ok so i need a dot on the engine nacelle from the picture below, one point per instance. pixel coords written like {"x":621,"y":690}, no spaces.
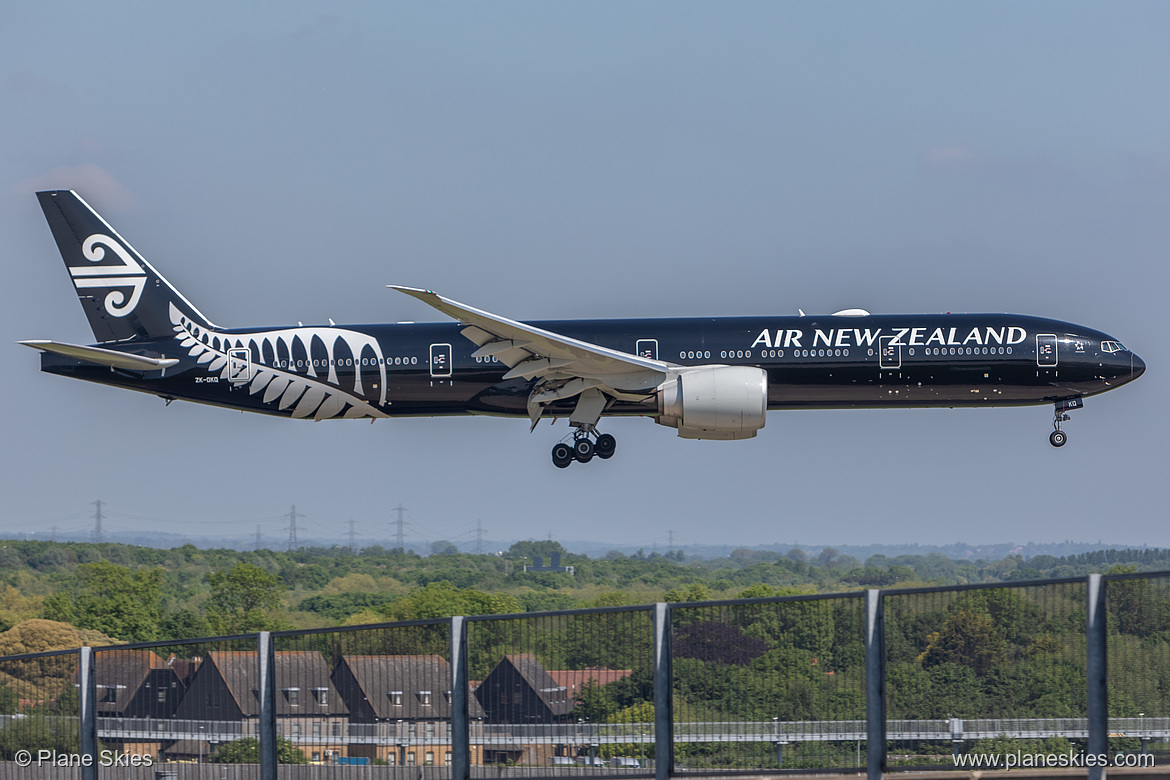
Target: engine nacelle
{"x":715,"y":402}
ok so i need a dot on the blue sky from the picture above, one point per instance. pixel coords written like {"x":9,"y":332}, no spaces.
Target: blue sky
{"x":284,"y":162}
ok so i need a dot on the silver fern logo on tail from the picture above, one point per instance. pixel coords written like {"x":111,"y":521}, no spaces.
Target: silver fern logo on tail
{"x":128,"y":274}
{"x":303,"y":395}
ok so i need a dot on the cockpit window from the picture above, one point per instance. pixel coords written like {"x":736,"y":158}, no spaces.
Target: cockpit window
{"x":1112,"y":346}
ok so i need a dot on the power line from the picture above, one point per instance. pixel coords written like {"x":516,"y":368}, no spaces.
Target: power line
{"x":259,"y":538}
{"x":352,"y":546}
{"x":97,"y":522}
{"x":479,"y":537}
{"x":399,"y":536}
{"x":292,"y":527}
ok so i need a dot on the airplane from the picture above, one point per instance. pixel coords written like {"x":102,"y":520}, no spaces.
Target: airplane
{"x":706,"y":377}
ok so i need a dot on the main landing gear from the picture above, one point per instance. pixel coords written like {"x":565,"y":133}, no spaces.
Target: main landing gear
{"x":1059,"y":438}
{"x":583,"y":448}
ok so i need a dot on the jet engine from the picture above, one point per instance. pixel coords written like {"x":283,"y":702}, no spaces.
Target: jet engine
{"x":714,"y":402}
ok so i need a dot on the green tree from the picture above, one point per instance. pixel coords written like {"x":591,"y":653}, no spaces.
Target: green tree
{"x":967,"y":638}
{"x":9,"y":701}
{"x":717,"y":642}
{"x":696,"y":591}
{"x":1013,"y":614}
{"x":1137,"y":606}
{"x":50,"y":557}
{"x":243,"y":599}
{"x":184,"y":624}
{"x":43,"y":678}
{"x":546,"y":602}
{"x":247,"y":751}
{"x":618,"y":640}
{"x":594,"y":704}
{"x":442,"y":599}
{"x":14,"y":605}
{"x":612,"y":598}
{"x":116,"y":600}
{"x":40,"y":731}
{"x":531,"y":548}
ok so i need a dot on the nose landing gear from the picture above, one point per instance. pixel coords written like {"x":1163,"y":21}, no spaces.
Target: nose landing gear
{"x":583,"y":448}
{"x":1059,"y":438}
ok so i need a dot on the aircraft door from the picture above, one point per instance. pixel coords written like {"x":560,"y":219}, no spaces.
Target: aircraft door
{"x":1047,"y":355}
{"x":891,"y":354}
{"x":239,"y":365}
{"x":647,"y":348}
{"x":441,"y":360}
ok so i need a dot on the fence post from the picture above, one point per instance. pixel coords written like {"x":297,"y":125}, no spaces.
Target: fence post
{"x":266,"y":659}
{"x":875,"y":685}
{"x":1095,"y":641}
{"x":460,"y":733}
{"x":663,"y":695}
{"x":87,"y":705}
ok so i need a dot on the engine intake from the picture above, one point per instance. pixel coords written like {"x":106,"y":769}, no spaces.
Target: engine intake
{"x":715,"y":402}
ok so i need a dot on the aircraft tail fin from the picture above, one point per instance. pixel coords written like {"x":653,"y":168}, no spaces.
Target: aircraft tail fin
{"x":122,"y":295}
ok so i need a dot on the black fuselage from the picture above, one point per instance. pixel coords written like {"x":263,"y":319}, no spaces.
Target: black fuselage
{"x":822,"y":362}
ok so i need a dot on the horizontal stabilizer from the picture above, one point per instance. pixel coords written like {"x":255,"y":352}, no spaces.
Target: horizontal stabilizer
{"x":102,"y":357}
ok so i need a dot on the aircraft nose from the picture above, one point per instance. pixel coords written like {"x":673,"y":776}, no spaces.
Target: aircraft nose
{"x":1137,"y":366}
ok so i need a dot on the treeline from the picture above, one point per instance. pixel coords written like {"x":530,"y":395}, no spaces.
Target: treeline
{"x":141,"y":594}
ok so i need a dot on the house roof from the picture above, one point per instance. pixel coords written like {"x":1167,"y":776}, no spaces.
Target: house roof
{"x":303,"y":671}
{"x":573,"y":679}
{"x":385,"y":679}
{"x":124,"y":671}
{"x":540,"y":681}
{"x":185,"y":668}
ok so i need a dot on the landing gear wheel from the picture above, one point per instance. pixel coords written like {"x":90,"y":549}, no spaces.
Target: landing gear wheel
{"x":606,"y":446}
{"x":562,"y":455}
{"x":1059,"y":438}
{"x":583,"y":450}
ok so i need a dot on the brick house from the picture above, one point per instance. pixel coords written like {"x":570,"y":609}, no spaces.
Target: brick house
{"x":224,"y":696}
{"x":400,"y":708}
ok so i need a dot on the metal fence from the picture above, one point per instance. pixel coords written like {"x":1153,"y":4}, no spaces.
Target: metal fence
{"x":570,"y":691}
{"x":990,"y":652}
{"x":870,"y":680}
{"x":769,"y":683}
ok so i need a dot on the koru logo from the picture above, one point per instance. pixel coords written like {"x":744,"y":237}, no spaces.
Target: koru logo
{"x":128,"y":274}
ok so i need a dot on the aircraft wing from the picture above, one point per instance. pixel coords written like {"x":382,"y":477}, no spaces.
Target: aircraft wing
{"x":569,"y":366}
{"x":531,"y":351}
{"x":102,"y":357}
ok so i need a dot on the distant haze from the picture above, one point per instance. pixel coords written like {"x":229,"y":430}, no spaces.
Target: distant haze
{"x":593,"y":549}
